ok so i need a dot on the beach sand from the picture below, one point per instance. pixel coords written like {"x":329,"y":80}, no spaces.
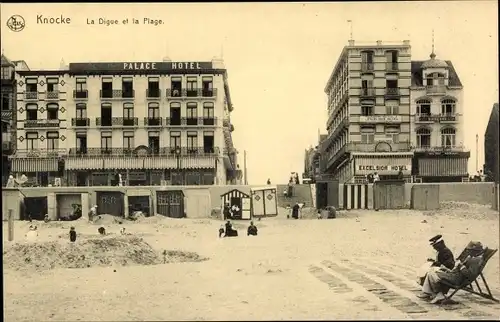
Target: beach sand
{"x":361,"y":265}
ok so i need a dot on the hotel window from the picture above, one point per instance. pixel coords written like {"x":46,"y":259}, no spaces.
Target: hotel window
{"x":392,"y":107}
{"x":192,"y":114}
{"x":106,"y":114}
{"x":128,"y":140}
{"x":5,"y":102}
{"x":52,"y":84}
{"x":106,"y":141}
{"x":391,"y":84}
{"x":208,"y":142}
{"x":175,"y":139}
{"x":52,"y":140}
{"x":81,"y":84}
{"x":31,"y":112}
{"x":107,"y":87}
{"x":154,"y":141}
{"x":423,"y":138}
{"x":127,"y":87}
{"x":31,"y":140}
{"x":176,"y":83}
{"x":81,"y":111}
{"x":367,"y":57}
{"x":153,"y":87}
{"x":391,"y":56}
{"x":52,"y":111}
{"x":367,"y":135}
{"x":448,"y":107}
{"x":153,"y":111}
{"x":448,"y":137}
{"x":128,"y":111}
{"x":208,"y":113}
{"x":175,"y":113}
{"x":81,"y":142}
{"x":32,"y":85}
{"x":192,"y":86}
{"x":366,"y":110}
{"x":207,"y":85}
{"x":192,"y":141}
{"x":392,"y":133}
{"x":424,"y":107}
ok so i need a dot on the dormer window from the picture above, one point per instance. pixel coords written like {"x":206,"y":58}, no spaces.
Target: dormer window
{"x":435,"y":79}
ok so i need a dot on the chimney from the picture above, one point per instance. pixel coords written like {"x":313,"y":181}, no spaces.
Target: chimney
{"x":406,"y":42}
{"x":62,"y":65}
{"x":166,"y":59}
{"x":351,"y":42}
{"x":379,"y":42}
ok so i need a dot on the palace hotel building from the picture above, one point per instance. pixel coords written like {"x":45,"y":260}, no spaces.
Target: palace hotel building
{"x":369,"y":113}
{"x":155,"y":123}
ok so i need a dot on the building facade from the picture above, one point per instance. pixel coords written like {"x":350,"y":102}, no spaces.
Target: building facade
{"x":155,"y":123}
{"x":491,"y":146}
{"x":369,"y":113}
{"x":437,"y":122}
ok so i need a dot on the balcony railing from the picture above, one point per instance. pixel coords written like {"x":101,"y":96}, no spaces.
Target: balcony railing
{"x":153,"y":121}
{"x":117,"y":93}
{"x":367,"y":92}
{"x":80,"y":122}
{"x":41,"y":123}
{"x":173,"y":152}
{"x":84,"y":94}
{"x":449,"y":117}
{"x":391,"y":91}
{"x":54,"y":95}
{"x":39,"y":153}
{"x":448,"y":148}
{"x":187,"y":121}
{"x":117,"y":121}
{"x":153,"y":93}
{"x":392,"y":66}
{"x":191,"y":93}
{"x":371,"y":147}
{"x":367,"y":67}
{"x":435,"y":89}
{"x":31,"y":95}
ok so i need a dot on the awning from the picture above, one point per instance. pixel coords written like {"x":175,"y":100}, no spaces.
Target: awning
{"x":84,"y":163}
{"x":390,"y":165}
{"x":437,"y":167}
{"x":35,"y":165}
{"x":160,"y":163}
{"x":124,"y":163}
{"x":200,"y":162}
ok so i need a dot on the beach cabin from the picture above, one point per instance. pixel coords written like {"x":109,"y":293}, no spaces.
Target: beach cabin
{"x":264,"y":201}
{"x":239,"y":203}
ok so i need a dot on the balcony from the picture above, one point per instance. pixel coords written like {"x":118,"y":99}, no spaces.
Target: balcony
{"x":39,"y":153}
{"x":392,"y":66}
{"x":441,"y":118}
{"x":435,"y":89}
{"x":80,"y":122}
{"x":28,"y":96}
{"x":116,"y":94}
{"x":41,"y":123}
{"x":153,"y":121}
{"x":117,"y":121}
{"x":367,"y":92}
{"x":374,"y":147}
{"x":173,"y":152}
{"x":392,"y":92}
{"x":153,"y":93}
{"x":80,"y":95}
{"x":367,"y":67}
{"x":195,"y":121}
{"x":448,"y":148}
{"x":52,"y":96}
{"x":184,"y":93}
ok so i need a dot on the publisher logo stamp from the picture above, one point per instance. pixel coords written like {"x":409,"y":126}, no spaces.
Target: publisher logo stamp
{"x":16,"y":23}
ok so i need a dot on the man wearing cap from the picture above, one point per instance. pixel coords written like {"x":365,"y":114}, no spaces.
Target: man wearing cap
{"x":443,"y":259}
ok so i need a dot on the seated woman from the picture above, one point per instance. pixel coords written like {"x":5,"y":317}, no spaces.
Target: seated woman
{"x":463,"y":271}
{"x":252,"y":230}
{"x":230,"y":232}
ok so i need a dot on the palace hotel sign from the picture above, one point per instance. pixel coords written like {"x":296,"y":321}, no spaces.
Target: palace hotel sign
{"x":141,"y":66}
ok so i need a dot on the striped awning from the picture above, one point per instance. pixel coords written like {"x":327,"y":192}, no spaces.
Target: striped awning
{"x":34,"y":165}
{"x":160,"y":163}
{"x":437,"y":167}
{"x":390,"y":165}
{"x":84,"y":164}
{"x":124,"y":163}
{"x":200,"y":162}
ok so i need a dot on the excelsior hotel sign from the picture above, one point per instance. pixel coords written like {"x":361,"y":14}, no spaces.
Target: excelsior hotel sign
{"x":380,"y":119}
{"x":140,"y":66}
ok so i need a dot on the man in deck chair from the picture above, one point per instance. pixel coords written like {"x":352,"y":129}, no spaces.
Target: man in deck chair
{"x":444,"y":258}
{"x":468,"y":269}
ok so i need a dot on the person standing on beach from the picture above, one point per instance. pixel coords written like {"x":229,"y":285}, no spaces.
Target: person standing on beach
{"x":295,"y":211}
{"x":72,"y":235}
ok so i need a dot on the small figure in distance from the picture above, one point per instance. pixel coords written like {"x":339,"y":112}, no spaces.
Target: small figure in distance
{"x":72,"y":234}
{"x":252,"y":230}
{"x":221,"y":231}
{"x":101,"y":230}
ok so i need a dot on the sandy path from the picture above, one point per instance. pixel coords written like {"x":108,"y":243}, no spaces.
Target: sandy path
{"x":283,"y":273}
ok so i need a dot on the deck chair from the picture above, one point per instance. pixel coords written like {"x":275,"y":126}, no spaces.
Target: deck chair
{"x":467,"y":285}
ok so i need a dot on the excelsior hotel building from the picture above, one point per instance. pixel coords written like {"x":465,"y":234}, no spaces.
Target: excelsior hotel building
{"x":437,"y":122}
{"x":369,"y":113}
{"x":155,"y":123}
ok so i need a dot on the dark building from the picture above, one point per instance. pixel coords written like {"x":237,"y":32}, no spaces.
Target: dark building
{"x":8,"y":105}
{"x":491,"y":146}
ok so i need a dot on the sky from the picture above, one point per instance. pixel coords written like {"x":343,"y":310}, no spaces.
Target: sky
{"x":278,"y":57}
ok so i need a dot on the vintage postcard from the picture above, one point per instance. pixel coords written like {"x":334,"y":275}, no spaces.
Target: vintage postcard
{"x":250,"y":161}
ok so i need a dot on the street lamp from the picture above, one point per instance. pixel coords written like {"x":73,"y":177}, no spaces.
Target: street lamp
{"x":178,"y":156}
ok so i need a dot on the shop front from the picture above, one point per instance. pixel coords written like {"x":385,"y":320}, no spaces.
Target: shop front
{"x":388,"y":166}
{"x":441,"y":167}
